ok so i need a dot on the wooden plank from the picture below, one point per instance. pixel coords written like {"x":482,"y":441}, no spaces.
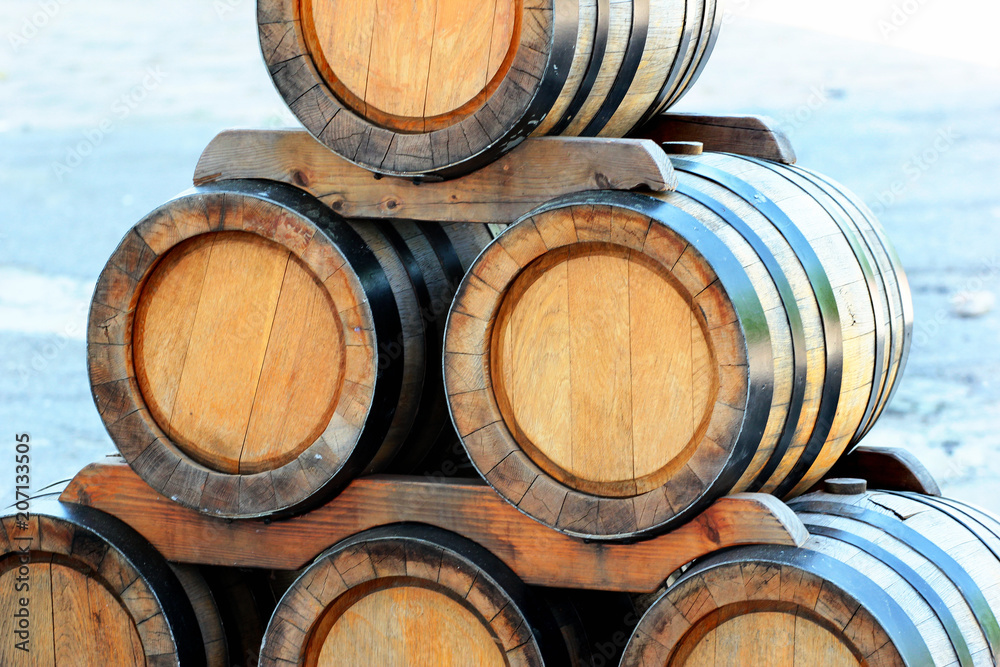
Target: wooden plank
{"x":536,"y":172}
{"x":753,"y":136}
{"x":537,"y":554}
{"x":887,"y":468}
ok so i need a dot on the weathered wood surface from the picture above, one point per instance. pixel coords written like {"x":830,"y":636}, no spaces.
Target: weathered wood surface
{"x":412,"y":595}
{"x":99,"y":595}
{"x":753,"y":136}
{"x":250,"y":351}
{"x":737,"y":334}
{"x":888,"y":468}
{"x":886,"y":579}
{"x":536,"y":172}
{"x":442,"y":87}
{"x":535,"y":553}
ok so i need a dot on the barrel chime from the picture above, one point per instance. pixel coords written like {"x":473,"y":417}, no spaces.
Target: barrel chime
{"x":499,"y":257}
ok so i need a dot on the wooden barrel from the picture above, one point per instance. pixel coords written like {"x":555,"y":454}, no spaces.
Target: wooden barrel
{"x":411,"y":595}
{"x":250,"y":351}
{"x":616,"y":361}
{"x":885,"y":579}
{"x":443,"y":87}
{"x":79,"y":587}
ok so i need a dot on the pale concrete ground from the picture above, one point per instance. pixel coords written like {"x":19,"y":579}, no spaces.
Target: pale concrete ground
{"x":105,"y":107}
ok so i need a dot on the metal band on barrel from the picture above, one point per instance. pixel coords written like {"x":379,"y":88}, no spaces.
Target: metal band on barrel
{"x":791,"y":308}
{"x":825,"y":300}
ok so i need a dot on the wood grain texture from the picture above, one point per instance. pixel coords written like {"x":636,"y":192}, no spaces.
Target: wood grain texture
{"x":96,"y":593}
{"x":535,"y":553}
{"x":612,"y":421}
{"x":885,"y":579}
{"x":414,"y":626}
{"x":237,"y":364}
{"x":754,"y":136}
{"x":647,"y":395}
{"x":498,"y":193}
{"x":648,"y":328}
{"x":406,"y":64}
{"x":406,"y":595}
{"x":439,"y":88}
{"x":228,"y":328}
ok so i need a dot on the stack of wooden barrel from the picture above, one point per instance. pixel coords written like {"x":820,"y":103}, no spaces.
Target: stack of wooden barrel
{"x":643,"y":345}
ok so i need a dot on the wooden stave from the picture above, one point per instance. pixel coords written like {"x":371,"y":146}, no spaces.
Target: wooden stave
{"x":385,"y":298}
{"x":207,"y":612}
{"x":897,"y":306}
{"x":842,"y":215}
{"x":511,"y":120}
{"x":442,"y":255}
{"x":851,"y":224}
{"x":942,"y":617}
{"x":875,"y":230}
{"x":575,"y":49}
{"x":713,"y":16}
{"x":540,"y":630}
{"x":807,"y":473}
{"x":622,"y":525}
{"x":735,"y":230}
{"x":107,"y":551}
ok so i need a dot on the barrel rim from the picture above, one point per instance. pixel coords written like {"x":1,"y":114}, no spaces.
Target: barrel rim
{"x":495,"y":453}
{"x":827,"y":575}
{"x":507,"y":117}
{"x":138,"y":567}
{"x":496,"y":594}
{"x":325,"y":244}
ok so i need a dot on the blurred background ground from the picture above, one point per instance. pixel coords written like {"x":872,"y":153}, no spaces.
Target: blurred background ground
{"x":105,"y":107}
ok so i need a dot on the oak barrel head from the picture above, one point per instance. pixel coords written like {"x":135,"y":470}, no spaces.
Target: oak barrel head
{"x":615,"y":361}
{"x":82,"y":588}
{"x":236,"y":347}
{"x":438,"y":88}
{"x":597,"y":365}
{"x":886,"y":578}
{"x":409,"y":594}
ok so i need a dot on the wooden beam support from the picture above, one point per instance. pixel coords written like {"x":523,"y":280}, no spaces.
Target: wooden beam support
{"x":889,"y":469}
{"x":539,"y":555}
{"x":753,"y":136}
{"x":537,"y":171}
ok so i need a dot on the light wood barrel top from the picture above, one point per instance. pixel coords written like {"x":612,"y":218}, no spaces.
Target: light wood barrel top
{"x":232,"y":349}
{"x":73,"y":619}
{"x":410,"y":595}
{"x":611,"y":340}
{"x":789,"y":638}
{"x":412,"y":65}
{"x":392,"y":626}
{"x":238,"y":352}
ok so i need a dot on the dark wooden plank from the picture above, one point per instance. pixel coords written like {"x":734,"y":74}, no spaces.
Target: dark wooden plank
{"x":754,"y":136}
{"x":888,"y":468}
